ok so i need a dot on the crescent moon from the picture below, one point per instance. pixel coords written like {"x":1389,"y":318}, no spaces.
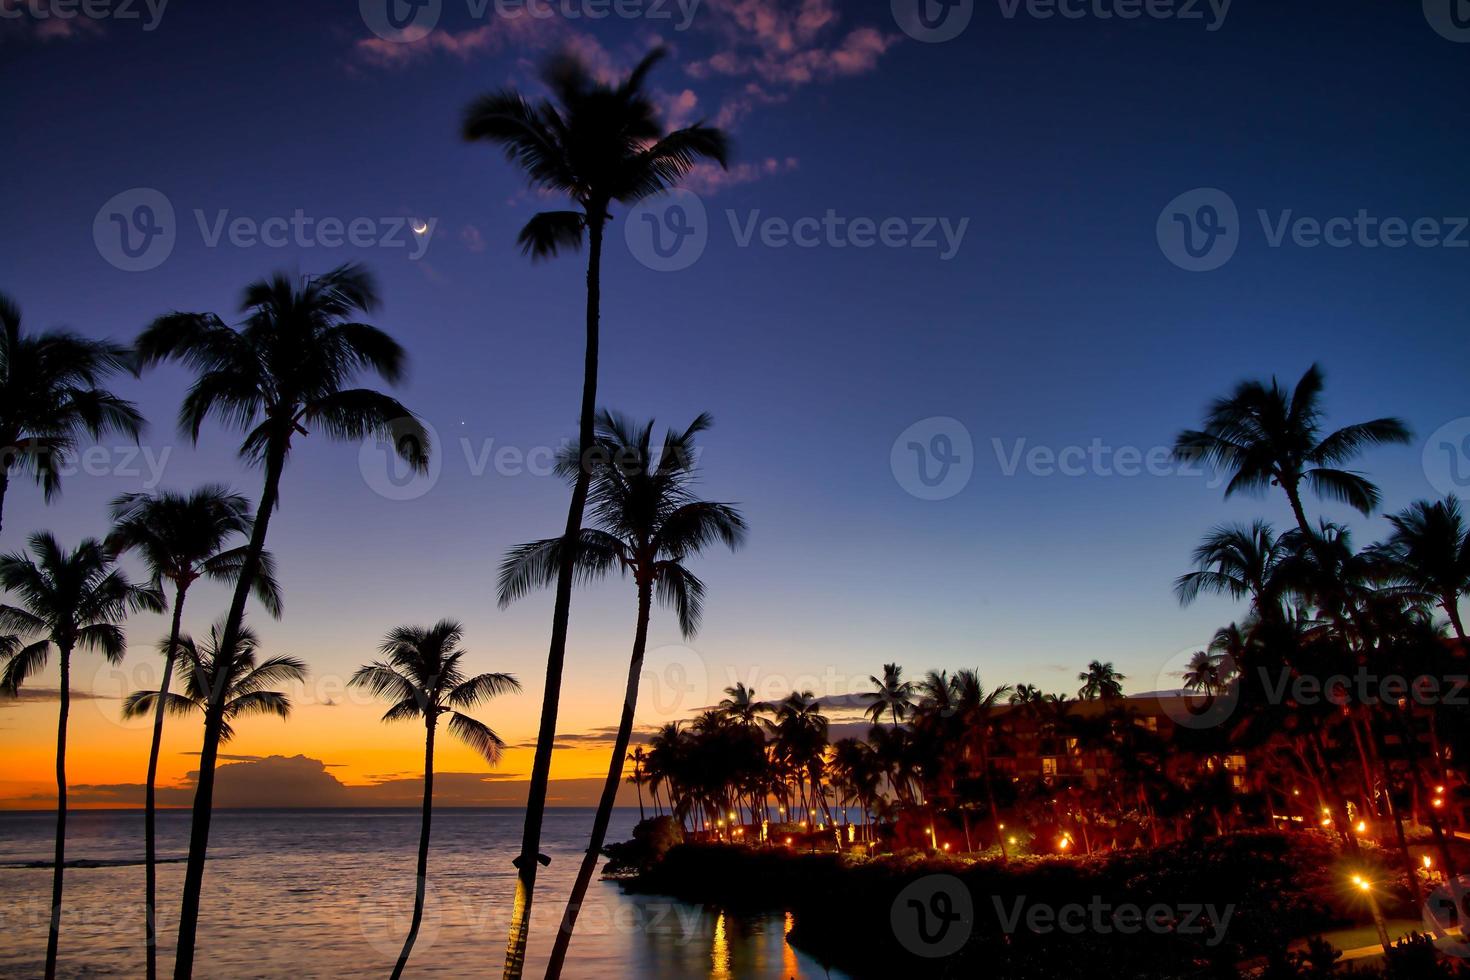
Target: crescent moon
{"x":420,"y":227}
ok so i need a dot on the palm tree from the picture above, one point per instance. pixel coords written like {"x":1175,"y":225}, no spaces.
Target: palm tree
{"x":422,"y":674}
{"x":1100,"y":680}
{"x":893,"y":695}
{"x":1238,"y":561}
{"x":50,"y":394}
{"x":285,"y":369}
{"x":69,"y":600}
{"x":596,"y":144}
{"x":1272,"y":436}
{"x":976,"y":705}
{"x":246,"y":690}
{"x":739,"y":704}
{"x":1203,"y":673}
{"x":649,"y":523}
{"x":639,"y":777}
{"x":1429,"y":551}
{"x":181,"y":539}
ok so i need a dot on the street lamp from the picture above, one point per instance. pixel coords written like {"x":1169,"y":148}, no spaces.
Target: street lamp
{"x":1366,"y":887}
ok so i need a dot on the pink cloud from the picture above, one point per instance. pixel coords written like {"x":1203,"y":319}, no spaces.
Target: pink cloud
{"x":708,"y":178}
{"x":472,"y":239}
{"x":788,"y":46}
{"x":41,"y":20}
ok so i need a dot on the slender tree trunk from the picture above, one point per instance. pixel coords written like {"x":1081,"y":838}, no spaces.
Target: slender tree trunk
{"x":1450,"y":604}
{"x":150,"y":830}
{"x":609,"y":788}
{"x":4,"y":488}
{"x":639,"y":787}
{"x":53,"y":936}
{"x":214,"y":718}
{"x":527,"y":863}
{"x":422,"y":882}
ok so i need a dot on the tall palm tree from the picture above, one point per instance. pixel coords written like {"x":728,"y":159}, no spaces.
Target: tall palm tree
{"x":1100,"y":680}
{"x":1268,"y":435}
{"x":892,"y":695}
{"x":422,"y":674}
{"x":72,"y":601}
{"x":1429,"y":551}
{"x":181,"y":539}
{"x":638,"y":777}
{"x":246,"y":690}
{"x":976,"y":706}
{"x":286,"y":368}
{"x":649,"y":524}
{"x":597,"y":145}
{"x":50,"y":395}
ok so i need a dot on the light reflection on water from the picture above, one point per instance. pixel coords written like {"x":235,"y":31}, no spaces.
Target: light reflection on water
{"x":330,"y":892}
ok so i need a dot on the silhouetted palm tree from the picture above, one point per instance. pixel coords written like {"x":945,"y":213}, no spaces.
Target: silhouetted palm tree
{"x":423,"y":676}
{"x":976,"y":706}
{"x":739,"y":704}
{"x":638,"y":777}
{"x":893,"y":696}
{"x":283,"y":371}
{"x":596,"y":144}
{"x":246,"y":690}
{"x":1100,"y":680}
{"x":1238,"y":561}
{"x":1272,"y":436}
{"x":72,"y":601}
{"x":181,"y":539}
{"x":649,"y":523}
{"x":50,"y":394}
{"x":1429,"y":551}
{"x":1203,"y":673}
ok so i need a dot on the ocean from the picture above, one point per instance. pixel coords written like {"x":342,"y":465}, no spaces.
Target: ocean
{"x":329,"y":893}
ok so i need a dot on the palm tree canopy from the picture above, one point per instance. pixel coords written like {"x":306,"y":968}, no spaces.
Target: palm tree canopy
{"x":75,"y":600}
{"x":1234,"y":560}
{"x":289,"y":365}
{"x":1100,"y":680}
{"x":51,"y":394}
{"x":892,"y":695}
{"x":1429,"y":549}
{"x":649,"y":519}
{"x":593,"y":142}
{"x":247,"y":690}
{"x":1269,"y":435}
{"x":422,"y":673}
{"x":182,"y":537}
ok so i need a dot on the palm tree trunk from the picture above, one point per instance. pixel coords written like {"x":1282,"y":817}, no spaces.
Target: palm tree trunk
{"x":1450,"y":604}
{"x":150,"y":830}
{"x":527,"y":863}
{"x":609,"y":788}
{"x":53,"y":936}
{"x":639,"y":787}
{"x":423,"y":866}
{"x":4,"y":487}
{"x":214,"y":718}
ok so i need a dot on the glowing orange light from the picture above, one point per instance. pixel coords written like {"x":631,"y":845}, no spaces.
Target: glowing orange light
{"x":1362,"y":827}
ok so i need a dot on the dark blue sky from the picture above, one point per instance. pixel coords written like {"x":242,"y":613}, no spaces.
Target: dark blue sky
{"x":1059,"y":320}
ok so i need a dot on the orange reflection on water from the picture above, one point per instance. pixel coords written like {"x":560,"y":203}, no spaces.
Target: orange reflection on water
{"x":719,"y":953}
{"x":789,"y":967}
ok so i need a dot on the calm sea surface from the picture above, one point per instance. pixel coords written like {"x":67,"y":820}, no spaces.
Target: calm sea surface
{"x":328,"y":893}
